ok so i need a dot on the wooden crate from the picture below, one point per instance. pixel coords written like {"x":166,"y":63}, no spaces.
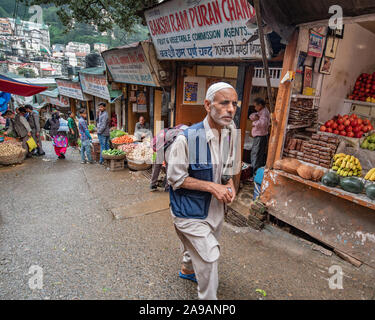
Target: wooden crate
{"x":114,"y":165}
{"x":95,"y":156}
{"x":96,"y":147}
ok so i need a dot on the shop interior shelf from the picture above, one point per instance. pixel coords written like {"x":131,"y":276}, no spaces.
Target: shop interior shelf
{"x":301,"y":96}
{"x":362,"y":103}
{"x":293,"y":126}
{"x":360,"y":199}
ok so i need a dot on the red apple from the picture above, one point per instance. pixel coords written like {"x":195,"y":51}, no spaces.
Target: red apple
{"x":366,"y":122}
{"x":370,"y":127}
{"x":350,"y":134}
{"x":356,"y":129}
{"x":329,"y":130}
{"x":359,"y":134}
{"x":365,"y":129}
{"x":340,"y":120}
{"x":341,"y":127}
{"x":327,"y":124}
{"x":360,"y":121}
{"x":336,"y":131}
{"x":348,"y":128}
{"x":354,"y":122}
{"x":334,"y":125}
{"x":323,"y":128}
{"x":343,"y":133}
{"x":347,"y":123}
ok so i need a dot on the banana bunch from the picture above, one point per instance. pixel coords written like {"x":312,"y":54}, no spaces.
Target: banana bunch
{"x":370,"y":175}
{"x":347,"y":165}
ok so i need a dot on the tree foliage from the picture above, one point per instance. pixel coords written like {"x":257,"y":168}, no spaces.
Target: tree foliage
{"x":102,"y":14}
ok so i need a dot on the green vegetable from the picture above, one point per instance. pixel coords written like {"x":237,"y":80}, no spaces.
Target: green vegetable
{"x":371,"y":146}
{"x":113,"y":152}
{"x":79,"y":142}
{"x":116,"y":133}
{"x":331,"y":179}
{"x":370,"y":191}
{"x":91,"y":127}
{"x":371,"y":139}
{"x":352,"y":184}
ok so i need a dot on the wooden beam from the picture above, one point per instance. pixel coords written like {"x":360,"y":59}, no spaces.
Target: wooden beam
{"x":264,"y":53}
{"x":280,"y":115}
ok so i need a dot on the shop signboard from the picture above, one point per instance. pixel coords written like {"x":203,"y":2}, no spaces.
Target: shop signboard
{"x":60,"y":101}
{"x":95,"y":85}
{"x":129,"y":65}
{"x":70,"y":89}
{"x":205,"y":29}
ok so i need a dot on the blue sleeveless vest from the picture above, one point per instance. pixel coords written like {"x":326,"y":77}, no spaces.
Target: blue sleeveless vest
{"x":194,"y":204}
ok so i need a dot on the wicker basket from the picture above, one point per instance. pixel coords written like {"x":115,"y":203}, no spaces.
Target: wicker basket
{"x":107,"y":157}
{"x":138,"y":165}
{"x":17,"y":158}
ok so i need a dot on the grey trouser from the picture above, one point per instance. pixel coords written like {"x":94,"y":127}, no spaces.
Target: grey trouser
{"x":201,"y":252}
{"x":259,"y":153}
{"x":156,"y":168}
{"x":38,"y":141}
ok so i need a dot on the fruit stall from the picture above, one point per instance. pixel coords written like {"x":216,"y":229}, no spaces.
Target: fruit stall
{"x":320,"y":172}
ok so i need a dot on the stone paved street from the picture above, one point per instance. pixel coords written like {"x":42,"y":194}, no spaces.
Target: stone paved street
{"x":58,"y":214}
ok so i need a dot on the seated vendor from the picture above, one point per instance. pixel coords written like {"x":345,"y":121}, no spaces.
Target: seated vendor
{"x":142,"y":128}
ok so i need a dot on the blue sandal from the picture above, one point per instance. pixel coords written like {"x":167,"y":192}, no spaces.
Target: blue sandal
{"x":188,"y":276}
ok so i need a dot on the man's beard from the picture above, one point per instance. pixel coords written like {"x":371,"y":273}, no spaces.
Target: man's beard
{"x":219,"y":120}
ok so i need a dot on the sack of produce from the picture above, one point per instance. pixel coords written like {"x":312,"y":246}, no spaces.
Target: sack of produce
{"x":290,"y":165}
{"x":141,"y":152}
{"x":11,"y":153}
{"x":305,"y":171}
{"x":317,"y":174}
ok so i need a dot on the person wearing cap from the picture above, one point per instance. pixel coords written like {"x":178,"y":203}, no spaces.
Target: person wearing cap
{"x":34,"y":123}
{"x":198,"y":190}
{"x":19,"y":125}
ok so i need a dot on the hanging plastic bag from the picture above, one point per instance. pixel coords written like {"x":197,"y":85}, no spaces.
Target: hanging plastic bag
{"x":31,"y":144}
{"x":63,"y":125}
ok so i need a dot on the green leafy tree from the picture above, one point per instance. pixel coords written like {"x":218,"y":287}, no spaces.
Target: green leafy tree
{"x":104,"y":14}
{"x":26,"y":72}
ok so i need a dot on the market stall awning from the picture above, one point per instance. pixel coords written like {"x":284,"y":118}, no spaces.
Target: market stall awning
{"x":51,"y":93}
{"x":114,"y":94}
{"x":19,"y":88}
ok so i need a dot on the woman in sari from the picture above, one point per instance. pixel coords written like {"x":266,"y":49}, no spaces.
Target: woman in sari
{"x":73,"y":130}
{"x":60,"y":139}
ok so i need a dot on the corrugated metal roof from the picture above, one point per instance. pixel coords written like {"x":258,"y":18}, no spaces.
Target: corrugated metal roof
{"x":94,"y":70}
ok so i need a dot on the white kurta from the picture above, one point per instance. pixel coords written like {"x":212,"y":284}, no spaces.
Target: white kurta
{"x":200,"y":237}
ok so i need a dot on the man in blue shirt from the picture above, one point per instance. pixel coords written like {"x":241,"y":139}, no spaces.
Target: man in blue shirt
{"x":85,"y":137}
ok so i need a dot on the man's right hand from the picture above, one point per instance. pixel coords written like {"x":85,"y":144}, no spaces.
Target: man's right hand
{"x":221,"y":193}
{"x":29,"y":134}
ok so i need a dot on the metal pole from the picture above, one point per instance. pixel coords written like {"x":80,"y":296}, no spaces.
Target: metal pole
{"x":264,"y":54}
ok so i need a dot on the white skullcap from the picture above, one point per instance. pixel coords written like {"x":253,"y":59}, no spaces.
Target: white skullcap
{"x":215,"y":88}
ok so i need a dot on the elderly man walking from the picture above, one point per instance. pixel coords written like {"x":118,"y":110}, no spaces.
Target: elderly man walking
{"x":199,"y":191}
